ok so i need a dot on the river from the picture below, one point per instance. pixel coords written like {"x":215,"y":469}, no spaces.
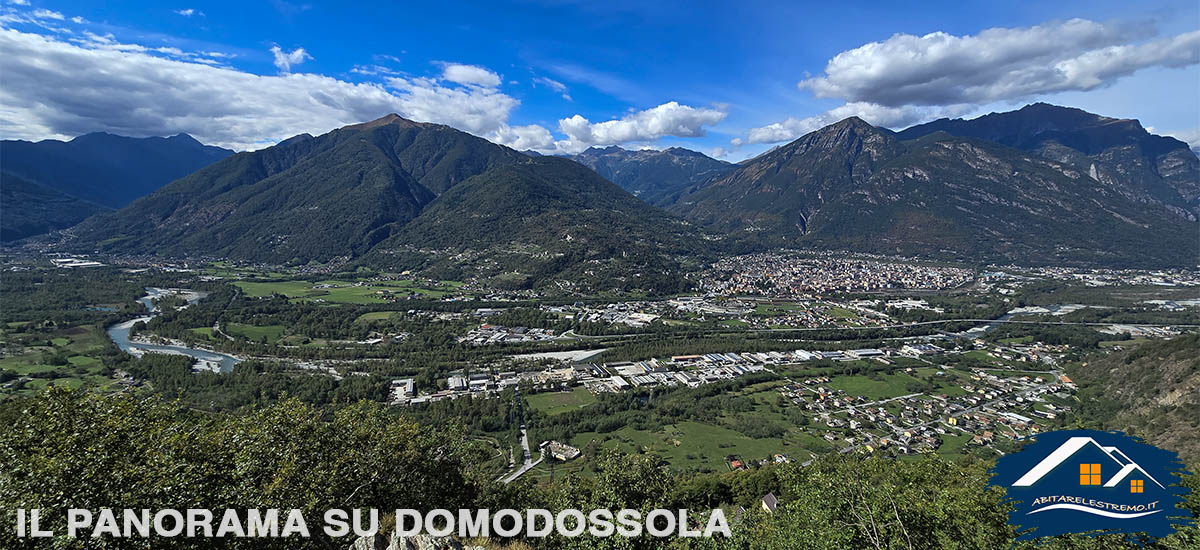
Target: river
{"x":205,"y":360}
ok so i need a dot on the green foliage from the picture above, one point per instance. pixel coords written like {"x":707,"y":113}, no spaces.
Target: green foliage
{"x":72,"y":450}
{"x":1147,"y":390}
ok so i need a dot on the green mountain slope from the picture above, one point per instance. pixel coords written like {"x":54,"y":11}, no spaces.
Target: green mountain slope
{"x":307,"y":198}
{"x":1151,"y":390}
{"x":28,"y":209}
{"x":547,"y":221}
{"x":657,"y":177}
{"x":851,"y":185}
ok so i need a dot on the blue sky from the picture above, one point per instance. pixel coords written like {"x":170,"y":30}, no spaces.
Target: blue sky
{"x":729,"y":79}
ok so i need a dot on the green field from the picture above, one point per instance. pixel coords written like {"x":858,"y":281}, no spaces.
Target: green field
{"x":889,"y":385}
{"x":560,"y":402}
{"x":839,"y":312}
{"x":76,"y":348}
{"x":256,"y":333}
{"x":704,"y":445}
{"x":689,"y":445}
{"x":347,"y":292}
{"x":374,"y":316}
{"x":778,"y":309}
{"x":953,"y":443}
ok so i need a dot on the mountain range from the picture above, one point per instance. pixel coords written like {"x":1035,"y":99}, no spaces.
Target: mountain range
{"x":657,"y":177}
{"x":55,"y":184}
{"x":1118,"y":153}
{"x":947,"y":190}
{"x":402,"y":194}
{"x":1044,"y":184}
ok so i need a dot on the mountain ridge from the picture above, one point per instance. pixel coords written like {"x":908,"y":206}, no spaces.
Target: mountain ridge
{"x":1117,"y":152}
{"x":656,"y":176}
{"x":99,"y":167}
{"x":851,"y":185}
{"x":388,"y":193}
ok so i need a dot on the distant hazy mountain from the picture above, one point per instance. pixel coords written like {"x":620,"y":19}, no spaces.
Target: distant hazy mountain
{"x":107,"y":169}
{"x":852,"y":185}
{"x":1116,"y":152}
{"x":657,"y":177}
{"x":28,"y":209}
{"x":391,"y":192}
{"x":50,"y":185}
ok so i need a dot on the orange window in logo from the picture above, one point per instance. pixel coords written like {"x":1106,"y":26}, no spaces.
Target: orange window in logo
{"x":1089,"y":474}
{"x":1135,"y":486}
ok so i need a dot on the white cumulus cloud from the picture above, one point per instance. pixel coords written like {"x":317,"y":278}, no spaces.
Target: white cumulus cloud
{"x":668,"y":119}
{"x":48,"y":14}
{"x":61,"y":87}
{"x":470,"y":74}
{"x":284,"y":60}
{"x":54,"y":88}
{"x":996,"y":64}
{"x":908,"y":79}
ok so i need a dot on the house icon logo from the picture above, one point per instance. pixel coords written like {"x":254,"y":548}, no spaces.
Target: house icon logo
{"x":1091,"y":482}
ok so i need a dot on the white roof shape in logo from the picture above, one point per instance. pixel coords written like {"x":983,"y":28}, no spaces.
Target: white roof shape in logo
{"x":1069,"y":448}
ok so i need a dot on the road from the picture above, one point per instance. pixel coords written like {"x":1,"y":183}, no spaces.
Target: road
{"x":529,"y":461}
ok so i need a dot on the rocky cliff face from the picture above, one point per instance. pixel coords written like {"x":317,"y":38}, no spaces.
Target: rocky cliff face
{"x":1118,"y":153}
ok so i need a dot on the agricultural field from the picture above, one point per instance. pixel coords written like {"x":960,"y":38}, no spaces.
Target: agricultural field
{"x":888,"y":386}
{"x":693,"y":445}
{"x":374,"y":316}
{"x":703,"y":446}
{"x":63,"y":357}
{"x":772,"y":310}
{"x":558,"y":402}
{"x":269,"y":333}
{"x":348,"y":292}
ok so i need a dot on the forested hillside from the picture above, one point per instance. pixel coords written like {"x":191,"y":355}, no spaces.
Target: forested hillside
{"x":1151,"y":390}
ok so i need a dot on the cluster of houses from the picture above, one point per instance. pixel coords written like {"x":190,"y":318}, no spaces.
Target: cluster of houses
{"x":1036,"y":352}
{"x":783,"y":275}
{"x":736,"y":462}
{"x":985,"y":406}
